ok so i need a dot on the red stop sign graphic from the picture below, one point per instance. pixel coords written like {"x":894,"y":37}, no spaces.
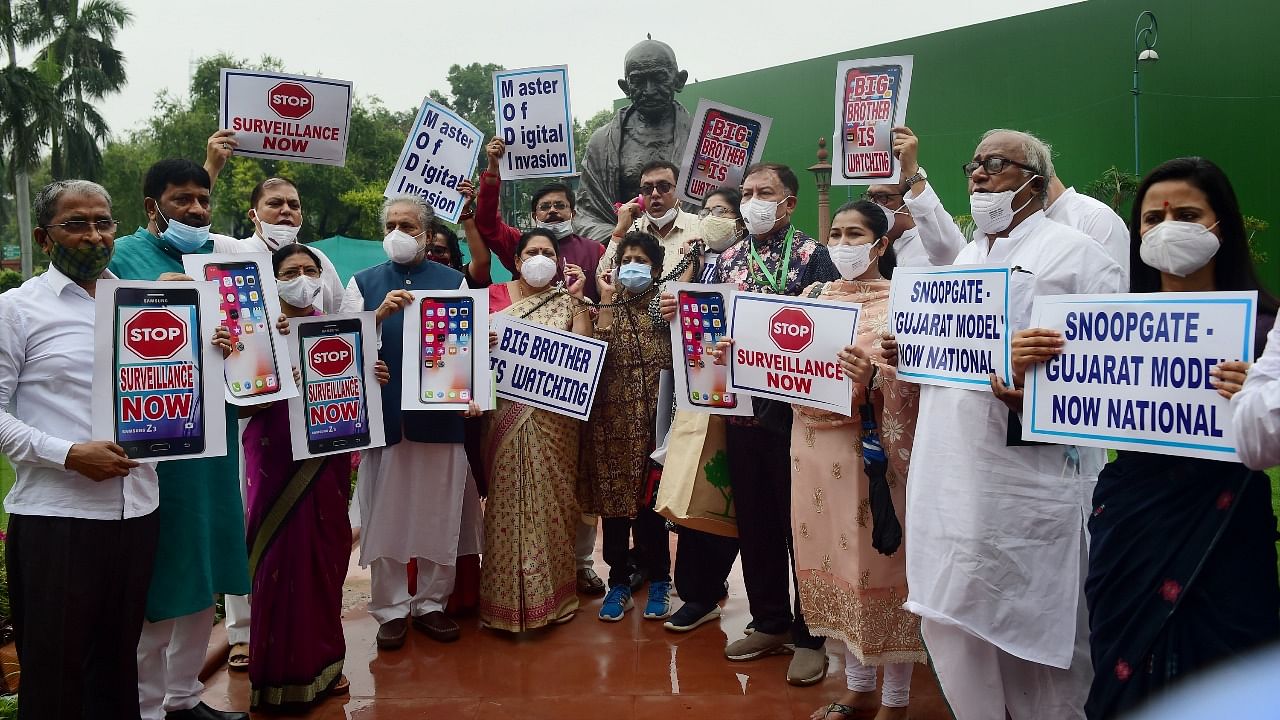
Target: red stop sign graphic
{"x":291,"y":100}
{"x":331,"y":356}
{"x":155,"y":334}
{"x":791,"y":329}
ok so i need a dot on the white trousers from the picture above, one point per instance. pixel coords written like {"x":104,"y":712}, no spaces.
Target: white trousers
{"x":237,"y":619}
{"x":170,"y":656}
{"x":390,"y":598}
{"x":897,"y":680}
{"x":584,"y":546}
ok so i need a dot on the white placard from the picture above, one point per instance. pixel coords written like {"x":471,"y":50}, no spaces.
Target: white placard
{"x":952,"y":325}
{"x":445,"y":349}
{"x":439,"y":153}
{"x":871,"y":100}
{"x":339,"y":408}
{"x":533,"y":118}
{"x":702,"y":318}
{"x":778,"y":352}
{"x":257,"y":371}
{"x":723,"y":142}
{"x":286,"y":117}
{"x":157,"y":374}
{"x":1134,"y":371}
{"x":555,"y":370}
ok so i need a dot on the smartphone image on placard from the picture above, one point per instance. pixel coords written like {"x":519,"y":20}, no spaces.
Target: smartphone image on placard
{"x":720,"y":158}
{"x":335,"y":399}
{"x":702,"y":324}
{"x":251,"y":368}
{"x":867,"y":133}
{"x":448,"y":330}
{"x":158,"y":372}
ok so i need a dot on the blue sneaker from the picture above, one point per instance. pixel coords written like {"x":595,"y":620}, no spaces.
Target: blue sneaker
{"x":659,"y":605}
{"x":616,"y":603}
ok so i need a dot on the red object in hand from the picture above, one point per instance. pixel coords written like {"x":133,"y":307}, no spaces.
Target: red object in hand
{"x":639,"y":200}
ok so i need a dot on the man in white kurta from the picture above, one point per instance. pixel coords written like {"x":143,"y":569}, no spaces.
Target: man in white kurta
{"x":1091,"y":217}
{"x":1255,"y":410}
{"x":996,"y":549}
{"x":922,"y":232}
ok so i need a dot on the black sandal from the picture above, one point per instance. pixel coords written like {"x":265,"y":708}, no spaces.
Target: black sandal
{"x":835,"y":707}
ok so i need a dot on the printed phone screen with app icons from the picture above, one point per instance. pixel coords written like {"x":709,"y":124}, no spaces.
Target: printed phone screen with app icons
{"x":251,"y":367}
{"x":702,"y":324}
{"x":448,"y":332}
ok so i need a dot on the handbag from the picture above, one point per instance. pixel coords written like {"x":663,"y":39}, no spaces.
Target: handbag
{"x":695,"y":491}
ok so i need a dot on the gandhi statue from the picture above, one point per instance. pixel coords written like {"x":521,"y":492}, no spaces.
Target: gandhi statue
{"x":654,"y":126}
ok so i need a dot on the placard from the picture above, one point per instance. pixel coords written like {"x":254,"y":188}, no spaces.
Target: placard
{"x":723,"y":142}
{"x":779,"y":354}
{"x":534,"y":120}
{"x":439,"y":153}
{"x":339,"y":408}
{"x":157,"y":374}
{"x":702,"y":318}
{"x":555,"y":370}
{"x":446,"y":338}
{"x":1134,"y":372}
{"x":952,"y":325}
{"x":286,"y":117}
{"x":257,"y":371}
{"x":871,"y":100}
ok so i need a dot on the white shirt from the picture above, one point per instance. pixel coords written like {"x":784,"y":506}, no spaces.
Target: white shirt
{"x":935,"y":240}
{"x":46,"y":388}
{"x":1255,"y":410}
{"x":330,"y":282}
{"x":1095,"y":219}
{"x":686,"y":226}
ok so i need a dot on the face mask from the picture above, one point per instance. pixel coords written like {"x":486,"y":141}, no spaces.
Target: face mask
{"x":760,"y":215}
{"x":80,"y":263}
{"x":561,"y":230}
{"x":992,"y":212}
{"x":664,"y":219}
{"x":1179,"y":248}
{"x":300,"y":292}
{"x":636,"y":277}
{"x":851,"y":260}
{"x":278,"y":235}
{"x":538,"y":270}
{"x":402,"y":247}
{"x":718,"y":232}
{"x":183,"y":237}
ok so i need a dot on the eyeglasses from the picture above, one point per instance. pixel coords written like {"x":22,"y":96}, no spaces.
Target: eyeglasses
{"x":438,"y":250}
{"x":557,"y":205}
{"x":292,"y":273}
{"x":717,"y":211}
{"x":81,"y":227}
{"x":880,"y":198}
{"x":994,"y":165}
{"x":663,"y":187}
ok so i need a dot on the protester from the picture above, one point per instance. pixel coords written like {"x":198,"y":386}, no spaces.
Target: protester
{"x":922,"y":232}
{"x":201,"y":547}
{"x":995,"y":536}
{"x":1182,"y":560}
{"x":446,"y":249}
{"x":616,"y":480}
{"x":527,"y":580}
{"x":1256,"y":409}
{"x":276,"y":211}
{"x":417,"y":497}
{"x":659,"y":215}
{"x":1091,"y":217}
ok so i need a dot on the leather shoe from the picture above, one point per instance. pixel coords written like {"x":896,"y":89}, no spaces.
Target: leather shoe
{"x":437,"y":626}
{"x":589,"y":583}
{"x":204,"y":712}
{"x":391,"y":634}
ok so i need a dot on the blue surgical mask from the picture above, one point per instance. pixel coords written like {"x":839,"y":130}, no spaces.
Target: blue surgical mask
{"x":183,"y":237}
{"x":636,"y":277}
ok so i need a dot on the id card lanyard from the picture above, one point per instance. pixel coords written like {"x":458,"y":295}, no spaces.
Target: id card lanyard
{"x":777,"y":279}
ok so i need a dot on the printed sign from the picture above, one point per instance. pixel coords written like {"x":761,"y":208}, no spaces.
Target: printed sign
{"x":1134,"y":371}
{"x":440,"y":152}
{"x":702,"y":318}
{"x":723,"y":142}
{"x":286,"y":117}
{"x":779,"y":354}
{"x":339,"y":409}
{"x":161,"y":370}
{"x":547,"y":368}
{"x":952,"y":325}
{"x":256,"y":371}
{"x":871,"y":100}
{"x":446,"y":337}
{"x":534,"y":120}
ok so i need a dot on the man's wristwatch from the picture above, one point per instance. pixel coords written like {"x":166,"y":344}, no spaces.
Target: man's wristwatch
{"x":920,"y":175}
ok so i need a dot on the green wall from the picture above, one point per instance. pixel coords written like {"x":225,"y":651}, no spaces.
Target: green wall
{"x":1064,"y":74}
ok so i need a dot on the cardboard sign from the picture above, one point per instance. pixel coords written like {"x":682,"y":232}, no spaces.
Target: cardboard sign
{"x":257,"y":371}
{"x":871,"y":99}
{"x":702,"y":318}
{"x":534,"y":120}
{"x":286,"y":117}
{"x":440,"y":152}
{"x":779,"y":354}
{"x":446,"y":338}
{"x":1134,"y":371}
{"x":551,"y":369}
{"x":952,"y":325}
{"x":159,"y":373}
{"x":339,"y":409}
{"x":723,"y":142}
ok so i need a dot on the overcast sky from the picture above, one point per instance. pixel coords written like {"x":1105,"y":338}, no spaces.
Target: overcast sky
{"x":399,"y":50}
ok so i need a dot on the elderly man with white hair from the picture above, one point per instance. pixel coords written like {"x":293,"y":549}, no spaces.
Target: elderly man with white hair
{"x":417,"y":497}
{"x":996,"y":547}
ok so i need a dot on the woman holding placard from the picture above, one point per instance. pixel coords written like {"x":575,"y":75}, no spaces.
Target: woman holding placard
{"x":1182,"y":558}
{"x":529,"y":576}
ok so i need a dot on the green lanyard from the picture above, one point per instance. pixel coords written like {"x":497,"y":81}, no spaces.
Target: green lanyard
{"x":778,"y":279}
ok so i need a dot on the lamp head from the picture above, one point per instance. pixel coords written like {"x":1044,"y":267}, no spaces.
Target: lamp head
{"x":1148,"y":56}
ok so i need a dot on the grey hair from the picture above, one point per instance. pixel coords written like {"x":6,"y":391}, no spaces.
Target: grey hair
{"x":426,"y":216}
{"x":46,"y":202}
{"x":1036,"y":153}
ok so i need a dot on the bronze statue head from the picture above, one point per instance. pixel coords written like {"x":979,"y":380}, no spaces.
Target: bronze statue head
{"x":651,"y":77}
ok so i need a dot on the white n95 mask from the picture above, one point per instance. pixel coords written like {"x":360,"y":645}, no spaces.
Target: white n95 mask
{"x":1179,"y":248}
{"x":538,"y":271}
{"x":851,"y":260}
{"x":992,"y":212}
{"x":401,"y":247}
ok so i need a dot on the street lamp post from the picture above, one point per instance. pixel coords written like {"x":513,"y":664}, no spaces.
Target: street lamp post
{"x":1144,"y":44}
{"x":822,"y":178}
